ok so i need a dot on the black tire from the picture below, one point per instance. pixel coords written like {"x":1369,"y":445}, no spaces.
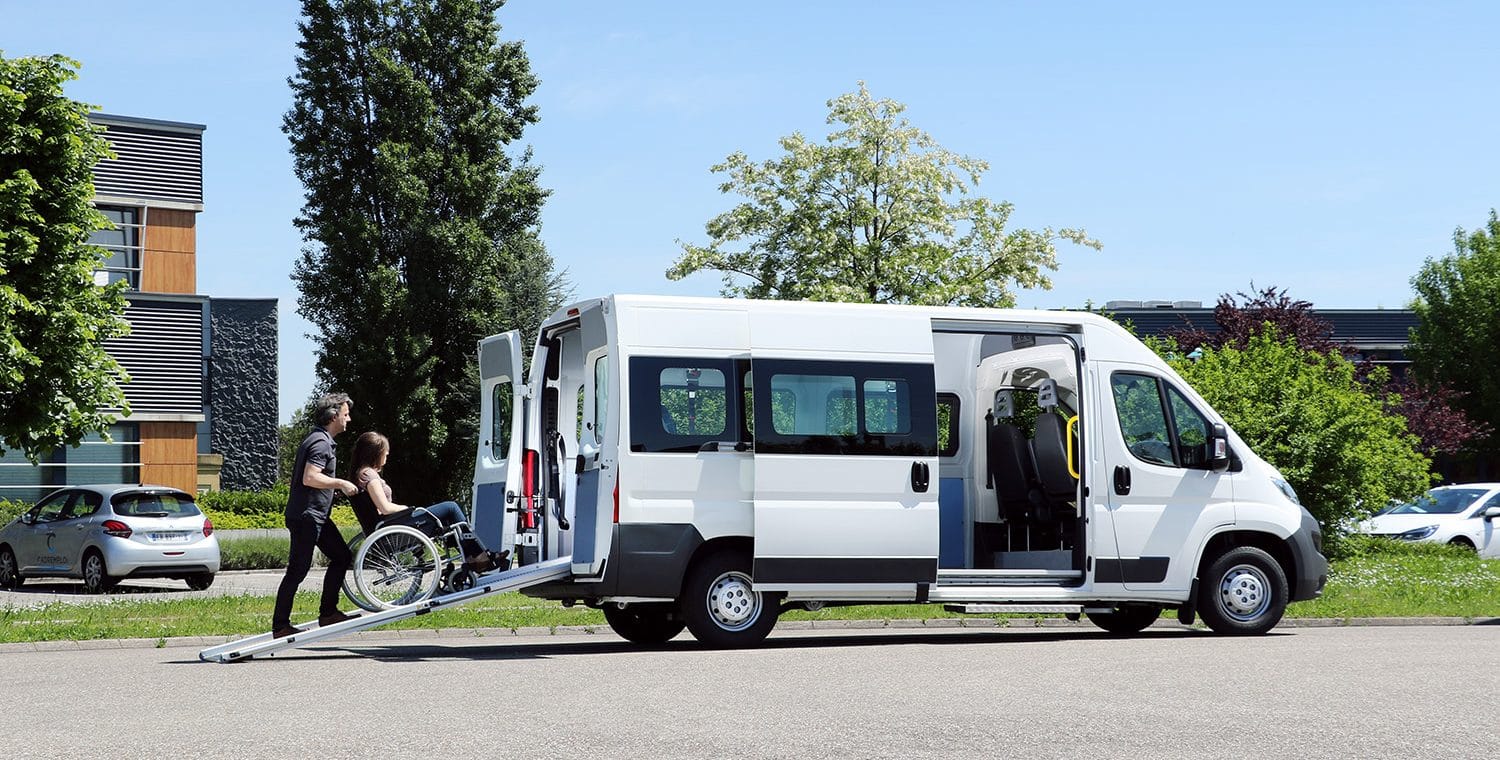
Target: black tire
{"x":1243,"y":592}
{"x":646,"y":624}
{"x":200,"y":581}
{"x":719,"y":606}
{"x":1463,"y":543}
{"x":1126,"y":620}
{"x":10,"y":569}
{"x":96,"y":577}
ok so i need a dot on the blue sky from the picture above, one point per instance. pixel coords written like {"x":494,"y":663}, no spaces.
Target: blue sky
{"x":1326,"y":148}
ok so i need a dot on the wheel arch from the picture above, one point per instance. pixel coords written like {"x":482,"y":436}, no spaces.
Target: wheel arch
{"x":1270,"y":543}
{"x":708,"y":549}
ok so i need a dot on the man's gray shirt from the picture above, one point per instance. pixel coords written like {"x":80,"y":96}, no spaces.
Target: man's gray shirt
{"x":316,"y":449}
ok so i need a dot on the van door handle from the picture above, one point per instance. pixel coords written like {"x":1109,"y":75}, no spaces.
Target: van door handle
{"x":1122,"y":480}
{"x":921,"y":477}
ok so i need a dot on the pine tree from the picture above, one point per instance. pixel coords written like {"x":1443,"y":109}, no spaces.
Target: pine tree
{"x":421,"y":228}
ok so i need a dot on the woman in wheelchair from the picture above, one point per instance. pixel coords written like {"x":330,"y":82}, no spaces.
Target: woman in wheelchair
{"x":374,"y":508}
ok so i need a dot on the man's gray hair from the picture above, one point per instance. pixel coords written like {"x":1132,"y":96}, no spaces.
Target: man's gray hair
{"x":328,"y":407}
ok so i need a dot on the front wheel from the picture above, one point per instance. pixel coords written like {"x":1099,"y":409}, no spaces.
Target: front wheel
{"x":647,"y":624}
{"x":1128,"y":619}
{"x":1244,"y":592}
{"x":720,"y":606}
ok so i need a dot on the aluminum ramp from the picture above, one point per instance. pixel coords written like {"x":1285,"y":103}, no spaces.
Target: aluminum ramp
{"x":494,"y":583}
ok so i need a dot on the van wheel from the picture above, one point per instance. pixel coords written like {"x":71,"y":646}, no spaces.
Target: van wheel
{"x":719,"y":606}
{"x":648,"y":624}
{"x":1127,"y":619}
{"x":1244,"y":592}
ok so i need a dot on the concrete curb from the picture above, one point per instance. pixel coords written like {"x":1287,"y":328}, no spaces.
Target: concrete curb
{"x":427,"y":634}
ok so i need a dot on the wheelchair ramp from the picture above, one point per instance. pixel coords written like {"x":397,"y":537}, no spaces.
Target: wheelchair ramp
{"x":493,"y":583}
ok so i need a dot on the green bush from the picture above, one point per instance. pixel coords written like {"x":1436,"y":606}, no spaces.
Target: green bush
{"x":10,"y":510}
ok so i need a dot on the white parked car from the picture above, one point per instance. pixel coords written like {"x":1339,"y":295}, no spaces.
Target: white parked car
{"x":1447,"y":515}
{"x":106,"y":533}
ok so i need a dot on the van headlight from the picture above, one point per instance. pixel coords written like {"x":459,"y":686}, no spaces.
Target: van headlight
{"x":1418,"y":534}
{"x":1287,"y":491}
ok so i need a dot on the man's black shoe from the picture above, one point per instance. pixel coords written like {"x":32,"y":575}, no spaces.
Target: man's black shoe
{"x":285,"y":631}
{"x":334,"y":617}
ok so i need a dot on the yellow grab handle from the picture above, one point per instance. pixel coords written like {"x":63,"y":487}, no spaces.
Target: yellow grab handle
{"x":1072,"y":466}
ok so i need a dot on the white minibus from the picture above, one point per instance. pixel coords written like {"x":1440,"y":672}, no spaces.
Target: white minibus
{"x":709,"y":463}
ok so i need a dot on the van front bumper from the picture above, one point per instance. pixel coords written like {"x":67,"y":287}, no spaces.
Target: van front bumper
{"x":1306,"y":547}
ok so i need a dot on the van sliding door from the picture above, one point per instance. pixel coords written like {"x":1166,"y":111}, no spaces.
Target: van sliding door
{"x":845,"y":441}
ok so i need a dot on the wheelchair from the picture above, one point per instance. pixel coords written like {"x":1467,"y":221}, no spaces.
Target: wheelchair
{"x":404,"y":559}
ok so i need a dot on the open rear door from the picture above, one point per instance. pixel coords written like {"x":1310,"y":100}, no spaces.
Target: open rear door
{"x":845,"y":434}
{"x":497,"y":463}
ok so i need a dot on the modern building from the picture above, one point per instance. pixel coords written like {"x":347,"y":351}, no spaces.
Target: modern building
{"x":1379,"y":335}
{"x":202,"y":389}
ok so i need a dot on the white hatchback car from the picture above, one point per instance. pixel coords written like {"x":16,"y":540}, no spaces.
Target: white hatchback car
{"x":105,"y":533}
{"x":1460,"y":515}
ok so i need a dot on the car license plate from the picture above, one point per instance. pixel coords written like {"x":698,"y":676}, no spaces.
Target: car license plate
{"x":170,"y":538}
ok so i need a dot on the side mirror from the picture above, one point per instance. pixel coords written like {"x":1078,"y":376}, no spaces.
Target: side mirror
{"x":1491,"y":513}
{"x":28,"y":518}
{"x":1218,"y":448}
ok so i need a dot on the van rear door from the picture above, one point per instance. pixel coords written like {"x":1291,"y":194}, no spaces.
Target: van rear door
{"x":497,"y":463}
{"x":845,"y":441}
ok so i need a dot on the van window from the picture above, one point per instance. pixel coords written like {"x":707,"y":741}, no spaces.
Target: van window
{"x":1159,"y":424}
{"x":947,"y":424}
{"x":821,"y":407}
{"x":501,"y":401}
{"x":601,"y":396}
{"x":677,"y":405}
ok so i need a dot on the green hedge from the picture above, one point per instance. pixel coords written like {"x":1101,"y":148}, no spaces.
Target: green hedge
{"x":263,"y":553}
{"x":10,"y":510}
{"x":236,"y":510}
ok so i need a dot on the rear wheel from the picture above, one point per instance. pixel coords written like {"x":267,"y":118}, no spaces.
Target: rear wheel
{"x":397,"y":565}
{"x":721,"y":608}
{"x":1243,"y":592}
{"x":1128,"y":619}
{"x":10,"y":570}
{"x":96,"y":577}
{"x":200,"y":581}
{"x":647,"y":624}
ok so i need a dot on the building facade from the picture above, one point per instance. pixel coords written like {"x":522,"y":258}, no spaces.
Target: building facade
{"x":152,"y":191}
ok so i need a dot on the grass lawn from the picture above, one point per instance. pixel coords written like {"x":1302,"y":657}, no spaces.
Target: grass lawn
{"x":1384,"y":580}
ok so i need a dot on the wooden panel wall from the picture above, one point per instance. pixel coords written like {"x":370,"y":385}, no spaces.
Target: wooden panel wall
{"x":169,"y":454}
{"x":169,"y":252}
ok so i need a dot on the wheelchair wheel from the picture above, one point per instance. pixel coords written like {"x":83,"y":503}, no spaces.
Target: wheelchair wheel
{"x":397,"y":565}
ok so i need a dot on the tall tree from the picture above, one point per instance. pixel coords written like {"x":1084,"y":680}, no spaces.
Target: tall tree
{"x":1458,"y":325}
{"x":879,"y":213}
{"x":420,"y":226}
{"x":56,"y":381}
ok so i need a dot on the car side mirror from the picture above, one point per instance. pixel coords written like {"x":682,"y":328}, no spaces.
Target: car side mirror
{"x":28,"y":518}
{"x":1218,"y":448}
{"x":1491,"y":513}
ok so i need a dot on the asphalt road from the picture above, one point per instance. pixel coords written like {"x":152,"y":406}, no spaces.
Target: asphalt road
{"x":36,"y":592}
{"x":1359,"y":692}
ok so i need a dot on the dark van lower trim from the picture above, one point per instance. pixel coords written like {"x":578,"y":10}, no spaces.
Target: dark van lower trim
{"x":1140,"y":570}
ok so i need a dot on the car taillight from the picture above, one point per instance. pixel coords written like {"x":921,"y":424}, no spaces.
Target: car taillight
{"x":208,"y":527}
{"x":617,"y":498}
{"x":116,"y":528}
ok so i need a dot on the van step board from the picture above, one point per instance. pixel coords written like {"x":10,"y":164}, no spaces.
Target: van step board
{"x":493,"y":583}
{"x":990,"y":609}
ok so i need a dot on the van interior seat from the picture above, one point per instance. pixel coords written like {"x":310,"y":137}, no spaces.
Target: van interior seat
{"x":1009,"y":460}
{"x":1050,"y":452}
